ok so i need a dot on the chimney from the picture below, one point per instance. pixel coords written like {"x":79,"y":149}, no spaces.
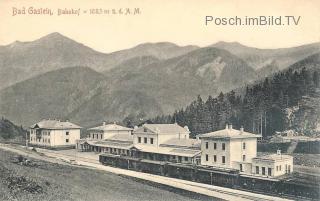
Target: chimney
{"x":186,"y":127}
{"x":227,"y":126}
{"x":230,"y":126}
{"x":241,"y":130}
{"x":104,"y":123}
{"x":278,"y":152}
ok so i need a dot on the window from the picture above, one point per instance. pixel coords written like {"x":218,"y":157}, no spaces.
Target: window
{"x":241,"y":168}
{"x":145,"y":140}
{"x":269,"y":171}
{"x":214,"y":145}
{"x":179,"y":158}
{"x":48,"y":140}
{"x":223,"y":146}
{"x":67,"y":140}
{"x":207,"y":145}
{"x":101,"y":136}
{"x":215,"y":158}
{"x":223,"y":159}
{"x":289,"y":169}
{"x":279,"y":167}
{"x":92,"y":136}
{"x":97,"y":136}
{"x":139,"y":139}
{"x":257,"y":169}
{"x":244,"y":157}
{"x":151,"y":140}
{"x":186,"y":158}
{"x":67,"y":133}
{"x":263,"y":170}
{"x":207,"y":157}
{"x":244,"y":145}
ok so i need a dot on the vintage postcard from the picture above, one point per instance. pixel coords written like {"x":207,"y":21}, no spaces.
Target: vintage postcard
{"x":159,"y":100}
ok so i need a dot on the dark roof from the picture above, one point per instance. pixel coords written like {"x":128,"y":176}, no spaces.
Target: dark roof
{"x":55,"y":124}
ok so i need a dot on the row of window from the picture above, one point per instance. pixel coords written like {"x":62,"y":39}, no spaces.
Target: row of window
{"x":45,"y":132}
{"x":223,"y":158}
{"x":223,"y":146}
{"x":288,"y":168}
{"x":263,"y":170}
{"x":96,"y":136}
{"x":44,"y":140}
{"x":145,"y":140}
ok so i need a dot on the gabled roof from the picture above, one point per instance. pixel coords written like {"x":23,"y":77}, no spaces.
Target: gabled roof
{"x":112,"y":144}
{"x":55,"y":124}
{"x":184,"y":152}
{"x":273,"y":157}
{"x":111,"y":127}
{"x":121,"y":137}
{"x":176,"y":142}
{"x":229,"y":133}
{"x":165,"y":128}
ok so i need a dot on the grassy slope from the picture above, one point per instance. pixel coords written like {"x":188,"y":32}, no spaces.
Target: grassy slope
{"x":60,"y":182}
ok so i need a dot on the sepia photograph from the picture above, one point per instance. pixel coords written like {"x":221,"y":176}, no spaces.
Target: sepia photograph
{"x":159,"y":100}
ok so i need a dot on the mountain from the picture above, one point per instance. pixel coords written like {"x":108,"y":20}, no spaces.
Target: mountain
{"x":142,"y":86}
{"x":312,"y":62}
{"x":53,"y":94}
{"x":286,"y":100}
{"x":22,"y":60}
{"x":275,"y":58}
{"x":174,"y":82}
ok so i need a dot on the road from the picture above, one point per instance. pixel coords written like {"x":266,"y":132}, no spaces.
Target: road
{"x":90,"y":160}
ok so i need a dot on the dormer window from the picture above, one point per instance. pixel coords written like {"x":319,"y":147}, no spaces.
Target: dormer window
{"x":145,"y":130}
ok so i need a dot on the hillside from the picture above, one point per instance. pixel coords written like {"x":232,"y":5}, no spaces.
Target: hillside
{"x":22,"y":60}
{"x":287,"y":100}
{"x":141,"y":87}
{"x":174,"y":82}
{"x":51,"y":95}
{"x":9,"y":130}
{"x":265,"y":58}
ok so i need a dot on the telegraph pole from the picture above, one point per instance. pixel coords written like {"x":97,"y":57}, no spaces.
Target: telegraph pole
{"x":26,"y":139}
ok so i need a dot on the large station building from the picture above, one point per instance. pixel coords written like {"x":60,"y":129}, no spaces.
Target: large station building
{"x":160,"y":142}
{"x":237,"y":149}
{"x":226,"y":149}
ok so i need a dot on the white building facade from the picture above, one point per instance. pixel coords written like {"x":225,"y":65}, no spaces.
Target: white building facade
{"x":54,"y":133}
{"x":106,"y":131}
{"x":236,"y":149}
{"x":272,"y":165}
{"x":110,"y":138}
{"x":166,"y":142}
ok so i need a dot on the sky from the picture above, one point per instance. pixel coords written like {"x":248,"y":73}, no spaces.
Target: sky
{"x":178,"y":21}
